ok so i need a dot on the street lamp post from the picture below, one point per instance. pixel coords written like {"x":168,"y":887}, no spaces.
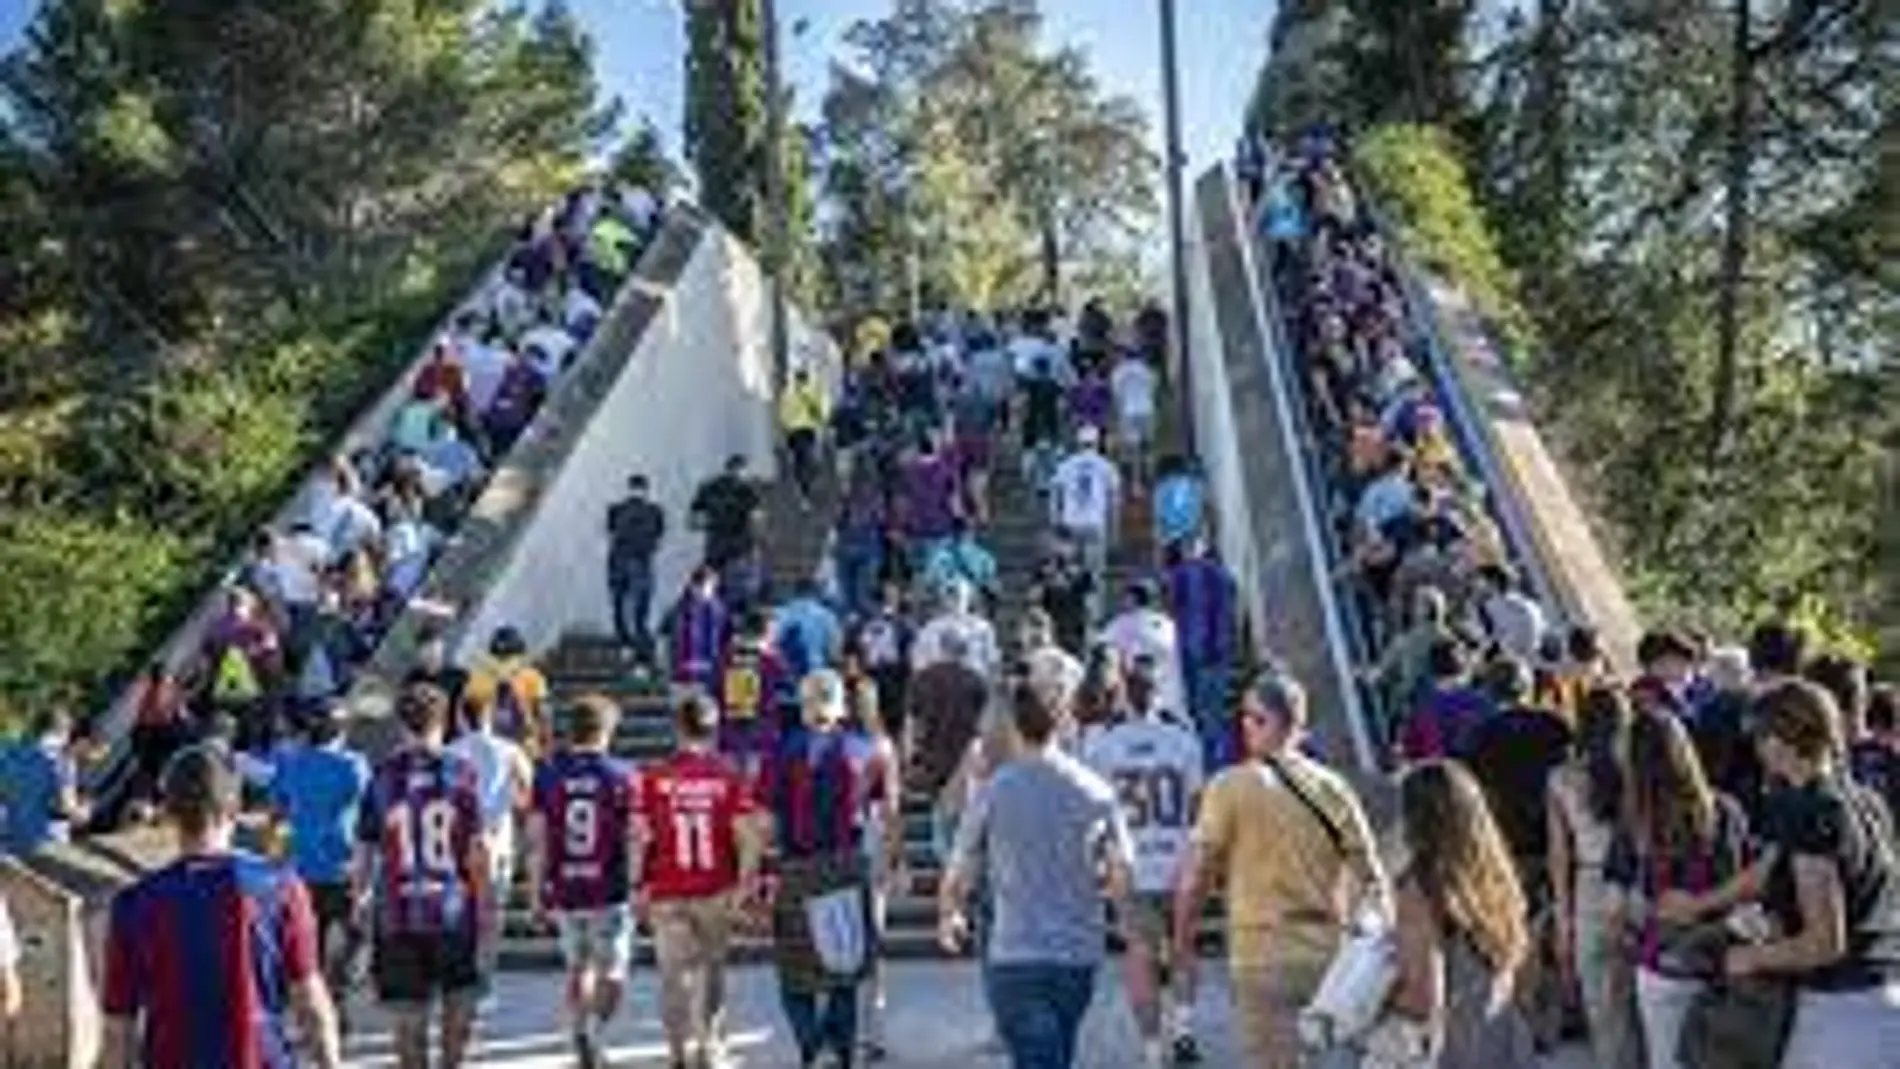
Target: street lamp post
{"x":778,"y":256}
{"x":1177,"y":215}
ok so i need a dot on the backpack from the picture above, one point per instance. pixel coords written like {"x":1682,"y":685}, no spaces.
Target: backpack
{"x":235,"y":681}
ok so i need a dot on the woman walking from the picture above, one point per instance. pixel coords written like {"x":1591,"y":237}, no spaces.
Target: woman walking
{"x":1461,"y":928}
{"x":1833,"y":888}
{"x":1678,"y":834}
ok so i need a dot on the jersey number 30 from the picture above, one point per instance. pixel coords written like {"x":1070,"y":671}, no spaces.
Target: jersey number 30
{"x":1152,"y":796}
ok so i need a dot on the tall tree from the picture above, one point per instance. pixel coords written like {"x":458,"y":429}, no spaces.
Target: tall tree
{"x":726,"y":112}
{"x":958,"y":133}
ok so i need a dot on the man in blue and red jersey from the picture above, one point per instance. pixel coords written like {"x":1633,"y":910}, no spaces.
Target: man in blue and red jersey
{"x":1203,"y":599}
{"x":701,"y":626}
{"x":817,"y":786}
{"x":753,"y":686}
{"x":701,"y":840}
{"x":581,"y":866}
{"x":205,"y":955}
{"x":419,"y":849}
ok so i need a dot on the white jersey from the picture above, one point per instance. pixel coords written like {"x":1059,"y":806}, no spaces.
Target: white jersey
{"x":1084,"y":491}
{"x":1134,"y":384}
{"x":974,"y":635}
{"x":1155,"y":767}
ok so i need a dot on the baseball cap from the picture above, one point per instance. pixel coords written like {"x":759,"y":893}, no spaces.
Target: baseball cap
{"x":1089,"y":434}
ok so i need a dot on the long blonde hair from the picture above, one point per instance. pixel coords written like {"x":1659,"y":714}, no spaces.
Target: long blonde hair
{"x":1459,"y":862}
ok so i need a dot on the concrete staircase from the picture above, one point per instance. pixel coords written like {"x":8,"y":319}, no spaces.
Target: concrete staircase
{"x":794,"y":542}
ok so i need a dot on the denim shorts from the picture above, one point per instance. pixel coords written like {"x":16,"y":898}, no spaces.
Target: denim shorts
{"x":601,"y":938}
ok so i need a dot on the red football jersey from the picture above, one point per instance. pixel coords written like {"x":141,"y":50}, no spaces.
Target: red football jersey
{"x":690,"y":805}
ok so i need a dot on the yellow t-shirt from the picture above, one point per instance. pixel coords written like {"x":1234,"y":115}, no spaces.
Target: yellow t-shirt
{"x":802,"y":408}
{"x":1284,"y":879}
{"x":530,"y":689}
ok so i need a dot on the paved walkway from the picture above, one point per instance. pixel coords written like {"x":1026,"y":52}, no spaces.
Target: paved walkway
{"x":936,"y":1021}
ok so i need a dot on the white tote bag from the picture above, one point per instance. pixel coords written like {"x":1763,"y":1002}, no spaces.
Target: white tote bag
{"x":1353,"y":993}
{"x":838,"y":932}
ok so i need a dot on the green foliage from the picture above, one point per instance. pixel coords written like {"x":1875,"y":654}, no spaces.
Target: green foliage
{"x":964,"y":155}
{"x":1416,"y":173}
{"x":726,"y":113}
{"x":80,"y":593}
{"x":229,"y":224}
{"x":1697,"y":216}
{"x":641,"y":160}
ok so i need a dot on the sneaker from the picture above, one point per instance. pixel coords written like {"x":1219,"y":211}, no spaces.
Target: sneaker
{"x":1187,"y":1051}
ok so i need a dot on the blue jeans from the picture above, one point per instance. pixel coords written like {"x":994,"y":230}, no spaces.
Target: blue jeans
{"x":1039,"y":1010}
{"x":1209,"y":689}
{"x":858,"y":561}
{"x":824,"y":1020}
{"x":630,"y":586}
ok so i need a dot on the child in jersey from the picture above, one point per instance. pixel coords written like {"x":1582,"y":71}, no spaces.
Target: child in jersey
{"x":581,"y":864}
{"x":422,"y":860}
{"x":701,"y":837}
{"x":1154,"y":760}
{"x":753,"y":683}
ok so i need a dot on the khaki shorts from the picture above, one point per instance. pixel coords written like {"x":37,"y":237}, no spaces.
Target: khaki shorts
{"x":691,"y":933}
{"x":1267,"y":1004}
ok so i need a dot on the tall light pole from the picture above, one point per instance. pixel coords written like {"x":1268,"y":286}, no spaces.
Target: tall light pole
{"x":1177,"y":216}
{"x":778,"y":236}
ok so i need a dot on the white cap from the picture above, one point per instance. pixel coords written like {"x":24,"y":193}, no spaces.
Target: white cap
{"x":1089,"y":435}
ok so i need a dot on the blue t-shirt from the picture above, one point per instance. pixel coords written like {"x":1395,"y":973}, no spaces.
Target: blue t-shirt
{"x":33,"y":777}
{"x":806,"y":633}
{"x":1179,"y":502}
{"x":318,"y":789}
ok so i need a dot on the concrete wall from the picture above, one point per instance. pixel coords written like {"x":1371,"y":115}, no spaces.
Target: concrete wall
{"x":1216,"y":440}
{"x":1257,"y":465}
{"x":697,"y":390}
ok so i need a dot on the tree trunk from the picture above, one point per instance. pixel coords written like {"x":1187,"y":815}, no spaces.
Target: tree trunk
{"x":1738,"y":220}
{"x":1051,"y":263}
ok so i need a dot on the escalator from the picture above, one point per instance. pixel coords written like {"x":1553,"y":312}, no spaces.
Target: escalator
{"x":1313,"y":617}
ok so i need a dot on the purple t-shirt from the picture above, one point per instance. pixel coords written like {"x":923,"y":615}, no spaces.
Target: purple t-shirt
{"x":1090,"y":400}
{"x":930,"y":490}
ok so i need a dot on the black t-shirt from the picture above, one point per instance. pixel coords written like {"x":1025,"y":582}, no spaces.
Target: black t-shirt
{"x":1846,"y":824}
{"x":1512,"y":754}
{"x":1042,"y":409}
{"x":1063,"y":591}
{"x":727,"y":502}
{"x":634,"y":529}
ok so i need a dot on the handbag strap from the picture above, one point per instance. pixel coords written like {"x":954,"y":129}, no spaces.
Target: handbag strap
{"x":1285,"y":775}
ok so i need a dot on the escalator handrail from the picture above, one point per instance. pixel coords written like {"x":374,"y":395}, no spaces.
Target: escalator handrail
{"x":1339,"y":615}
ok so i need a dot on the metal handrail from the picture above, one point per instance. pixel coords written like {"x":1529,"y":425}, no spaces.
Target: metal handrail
{"x":1341,"y":620}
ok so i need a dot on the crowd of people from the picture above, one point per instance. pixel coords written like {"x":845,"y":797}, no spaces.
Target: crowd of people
{"x":1649,"y":857}
{"x":803,"y":713}
{"x":1694,"y":862}
{"x":311,"y":600}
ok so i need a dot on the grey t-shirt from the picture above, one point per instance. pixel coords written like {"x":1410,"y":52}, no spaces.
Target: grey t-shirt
{"x":1038,"y":830}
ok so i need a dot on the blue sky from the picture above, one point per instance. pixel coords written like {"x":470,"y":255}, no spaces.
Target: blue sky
{"x":1222,"y":43}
